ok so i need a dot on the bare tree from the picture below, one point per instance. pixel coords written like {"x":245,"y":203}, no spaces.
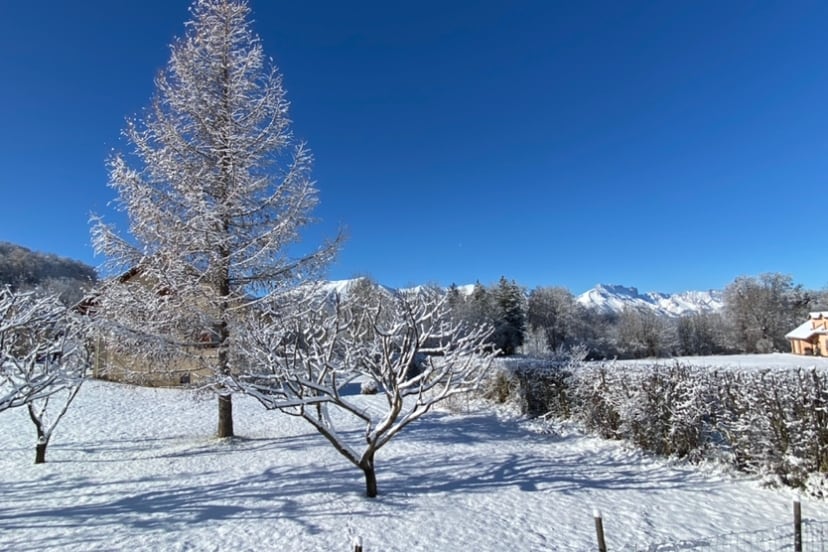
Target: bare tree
{"x":554,"y":312}
{"x":43,"y":359}
{"x":365,"y":294}
{"x":761,"y":310}
{"x":220,"y":192}
{"x":642,"y":333}
{"x":820,"y":300}
{"x":701,"y":334}
{"x":308,"y":365}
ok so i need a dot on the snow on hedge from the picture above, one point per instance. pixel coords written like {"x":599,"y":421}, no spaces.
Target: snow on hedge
{"x":763,"y":415}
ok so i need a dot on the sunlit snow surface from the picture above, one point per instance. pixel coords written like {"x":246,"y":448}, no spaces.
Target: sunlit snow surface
{"x":772,"y":361}
{"x":134,"y":468}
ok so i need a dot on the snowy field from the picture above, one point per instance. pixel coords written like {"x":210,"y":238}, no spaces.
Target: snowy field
{"x":136,"y":469}
{"x":771,"y":361}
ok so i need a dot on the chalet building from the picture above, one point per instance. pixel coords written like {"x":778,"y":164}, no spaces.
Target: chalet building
{"x":811,"y":338}
{"x":187,"y":364}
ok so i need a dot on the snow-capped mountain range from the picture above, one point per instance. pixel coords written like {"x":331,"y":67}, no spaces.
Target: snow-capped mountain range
{"x":603,"y":298}
{"x":609,"y":299}
{"x":344,"y":287}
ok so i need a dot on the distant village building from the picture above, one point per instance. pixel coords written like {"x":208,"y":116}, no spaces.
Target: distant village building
{"x":811,"y":338}
{"x":190,"y":362}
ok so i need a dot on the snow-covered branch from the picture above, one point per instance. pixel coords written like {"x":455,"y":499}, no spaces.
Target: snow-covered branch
{"x":310,"y":361}
{"x":39,"y":346}
{"x":43,"y":358}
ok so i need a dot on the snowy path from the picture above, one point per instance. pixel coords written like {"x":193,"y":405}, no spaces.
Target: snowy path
{"x":135,"y":468}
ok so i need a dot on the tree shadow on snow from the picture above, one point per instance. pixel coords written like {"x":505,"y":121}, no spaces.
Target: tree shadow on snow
{"x":440,"y":453}
{"x":481,"y":453}
{"x":467,"y":429}
{"x":290,"y":494}
{"x":128,"y":449}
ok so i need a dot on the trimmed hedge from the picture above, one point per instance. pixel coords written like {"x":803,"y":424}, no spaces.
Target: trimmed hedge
{"x":768,"y":422}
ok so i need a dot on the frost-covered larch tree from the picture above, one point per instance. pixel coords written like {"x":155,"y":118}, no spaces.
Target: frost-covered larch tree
{"x":216,"y":189}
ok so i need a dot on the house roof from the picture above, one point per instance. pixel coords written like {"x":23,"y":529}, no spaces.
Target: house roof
{"x":817,"y":315}
{"x":804,"y":331}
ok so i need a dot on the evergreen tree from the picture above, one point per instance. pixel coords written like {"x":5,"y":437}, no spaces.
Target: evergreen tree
{"x":510,"y":316}
{"x":454,"y":298}
{"x":479,"y":306}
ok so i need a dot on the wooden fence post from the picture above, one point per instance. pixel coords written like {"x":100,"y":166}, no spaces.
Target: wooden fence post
{"x":357,"y":544}
{"x":797,"y":514}
{"x":599,"y":531}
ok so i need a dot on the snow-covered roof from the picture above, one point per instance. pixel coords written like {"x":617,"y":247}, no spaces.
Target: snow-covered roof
{"x":804,"y":331}
{"x":817,"y":315}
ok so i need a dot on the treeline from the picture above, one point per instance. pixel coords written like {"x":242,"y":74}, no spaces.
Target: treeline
{"x":502,"y":306}
{"x":22,"y":269}
{"x":758,"y":312}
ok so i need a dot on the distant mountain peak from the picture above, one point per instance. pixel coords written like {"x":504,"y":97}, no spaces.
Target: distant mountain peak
{"x":614,"y":298}
{"x":616,"y":289}
{"x":603,"y":298}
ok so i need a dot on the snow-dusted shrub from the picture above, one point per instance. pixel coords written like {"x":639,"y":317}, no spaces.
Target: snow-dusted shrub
{"x":595,"y":393}
{"x":664,"y":409}
{"x":776,"y":423}
{"x":502,"y":387}
{"x":545,"y":389}
{"x":772,"y":423}
{"x":538,"y":386}
{"x":368,"y":387}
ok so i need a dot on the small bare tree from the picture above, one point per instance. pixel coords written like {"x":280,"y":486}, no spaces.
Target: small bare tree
{"x":43,"y":359}
{"x":309,"y":364}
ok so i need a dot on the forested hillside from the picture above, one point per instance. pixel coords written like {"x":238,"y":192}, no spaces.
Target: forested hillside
{"x":22,"y":268}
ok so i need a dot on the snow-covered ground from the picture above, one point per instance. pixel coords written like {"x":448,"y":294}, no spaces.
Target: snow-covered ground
{"x":136,"y":469}
{"x":773,"y":361}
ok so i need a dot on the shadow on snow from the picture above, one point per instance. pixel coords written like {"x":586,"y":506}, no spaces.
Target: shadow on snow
{"x":440,"y":453}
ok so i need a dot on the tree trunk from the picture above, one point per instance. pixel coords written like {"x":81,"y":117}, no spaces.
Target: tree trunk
{"x":42,"y":437}
{"x":367,"y":466}
{"x":225,"y":416}
{"x":40,"y":453}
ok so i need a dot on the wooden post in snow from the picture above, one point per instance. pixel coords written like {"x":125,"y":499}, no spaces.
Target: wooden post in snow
{"x":357,"y":544}
{"x":599,"y":531}
{"x":797,"y":514}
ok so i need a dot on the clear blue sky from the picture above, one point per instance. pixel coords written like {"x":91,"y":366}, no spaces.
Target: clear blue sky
{"x":664,"y":145}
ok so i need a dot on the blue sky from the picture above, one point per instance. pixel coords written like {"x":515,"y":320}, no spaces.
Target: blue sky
{"x":664,"y":145}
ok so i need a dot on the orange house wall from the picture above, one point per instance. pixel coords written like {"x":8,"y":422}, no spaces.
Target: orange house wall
{"x":798,"y":346}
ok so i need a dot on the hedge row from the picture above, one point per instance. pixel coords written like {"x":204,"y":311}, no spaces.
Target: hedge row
{"x":769,"y":422}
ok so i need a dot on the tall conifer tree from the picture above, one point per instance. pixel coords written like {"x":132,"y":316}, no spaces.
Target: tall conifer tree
{"x":216,"y":189}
